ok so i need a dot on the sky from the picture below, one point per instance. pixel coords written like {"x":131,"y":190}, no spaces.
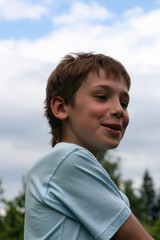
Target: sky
{"x":35,"y":35}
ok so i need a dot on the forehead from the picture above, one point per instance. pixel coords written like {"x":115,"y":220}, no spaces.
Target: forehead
{"x":97,"y":77}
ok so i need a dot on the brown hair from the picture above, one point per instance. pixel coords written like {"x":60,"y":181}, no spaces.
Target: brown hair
{"x":68,"y":76}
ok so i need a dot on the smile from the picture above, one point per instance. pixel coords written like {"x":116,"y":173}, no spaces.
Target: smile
{"x":113,"y":128}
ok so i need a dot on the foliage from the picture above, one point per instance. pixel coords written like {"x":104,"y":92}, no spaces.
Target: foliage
{"x":135,"y":201}
{"x":153,"y":228}
{"x":145,"y":204}
{"x":12,"y":223}
{"x":1,"y":191}
{"x":112,"y":165}
{"x":147,"y":193}
{"x":149,"y":198}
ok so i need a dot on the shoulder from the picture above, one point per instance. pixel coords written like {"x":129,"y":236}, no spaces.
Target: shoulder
{"x":72,"y":156}
{"x":72,"y":153}
{"x":65,"y":154}
{"x":125,"y":198}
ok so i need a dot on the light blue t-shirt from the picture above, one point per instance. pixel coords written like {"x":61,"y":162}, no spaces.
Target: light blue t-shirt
{"x":70,"y":196}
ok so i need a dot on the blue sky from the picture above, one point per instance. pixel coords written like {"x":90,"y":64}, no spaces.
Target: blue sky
{"x":35,"y":35}
{"x":32,"y":27}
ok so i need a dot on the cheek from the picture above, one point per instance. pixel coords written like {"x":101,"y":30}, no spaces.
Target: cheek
{"x":126,"y":119}
{"x":98,"y":110}
{"x":91,"y":110}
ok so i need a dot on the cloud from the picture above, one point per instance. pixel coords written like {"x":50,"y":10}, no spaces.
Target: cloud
{"x":17,"y":160}
{"x":17,"y":9}
{"x":82,"y":12}
{"x":134,"y":12}
{"x":135,"y":165}
{"x":147,"y":24}
{"x":134,"y":39}
{"x":26,"y":65}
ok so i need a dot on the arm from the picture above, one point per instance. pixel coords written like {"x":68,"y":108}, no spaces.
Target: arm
{"x":131,"y":230}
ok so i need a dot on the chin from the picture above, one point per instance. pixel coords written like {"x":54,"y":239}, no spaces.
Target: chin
{"x":112,"y":145}
{"x":107,"y":147}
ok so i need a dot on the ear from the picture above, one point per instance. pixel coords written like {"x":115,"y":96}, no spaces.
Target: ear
{"x":58,"y":107}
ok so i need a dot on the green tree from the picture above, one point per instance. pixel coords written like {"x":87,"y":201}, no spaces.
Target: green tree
{"x":153,"y":228}
{"x":12,"y":223}
{"x":143,"y":202}
{"x":1,"y":206}
{"x":1,"y":191}
{"x":112,"y":165}
{"x":135,"y":200}
{"x":148,"y":196}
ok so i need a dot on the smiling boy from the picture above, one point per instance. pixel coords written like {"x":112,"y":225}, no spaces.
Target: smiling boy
{"x":69,"y":195}
{"x":99,"y":117}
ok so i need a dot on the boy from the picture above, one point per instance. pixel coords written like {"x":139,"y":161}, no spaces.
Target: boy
{"x":69,"y":195}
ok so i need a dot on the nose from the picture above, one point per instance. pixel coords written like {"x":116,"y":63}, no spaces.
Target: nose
{"x":117,"y":110}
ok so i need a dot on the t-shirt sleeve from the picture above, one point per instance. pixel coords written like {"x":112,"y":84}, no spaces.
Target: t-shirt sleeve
{"x":85,"y":188}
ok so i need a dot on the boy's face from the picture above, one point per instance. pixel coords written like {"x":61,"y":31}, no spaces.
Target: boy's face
{"x":99,"y":116}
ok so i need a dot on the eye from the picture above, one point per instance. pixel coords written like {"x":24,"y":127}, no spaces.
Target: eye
{"x":101,"y":97}
{"x":124,"y":101}
{"x":124,"y":104}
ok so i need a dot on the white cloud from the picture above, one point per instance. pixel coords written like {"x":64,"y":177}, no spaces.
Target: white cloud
{"x":135,"y":165}
{"x":81,"y":12}
{"x":134,"y":12}
{"x":134,"y":40}
{"x":15,"y":162}
{"x":17,"y":9}
{"x":26,"y":65}
{"x":146,"y":25}
{"x":123,"y":40}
